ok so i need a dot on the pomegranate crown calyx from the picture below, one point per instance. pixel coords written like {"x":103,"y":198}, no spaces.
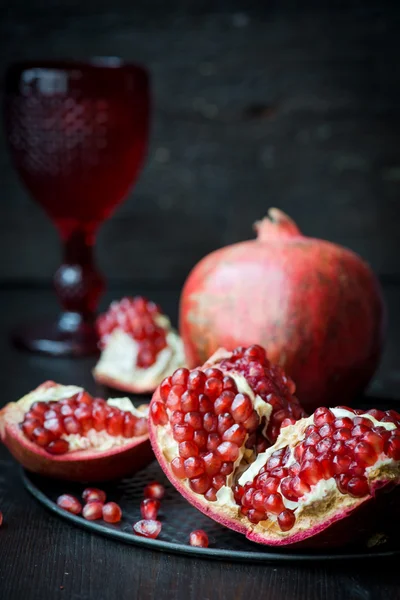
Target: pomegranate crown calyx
{"x":275,"y":225}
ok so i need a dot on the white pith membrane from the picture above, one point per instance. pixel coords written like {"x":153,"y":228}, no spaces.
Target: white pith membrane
{"x":119,"y":357}
{"x":170,"y":447}
{"x":324,"y":498}
{"x":99,"y":441}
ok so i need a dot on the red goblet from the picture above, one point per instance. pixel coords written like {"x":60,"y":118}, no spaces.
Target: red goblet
{"x":78,"y":136}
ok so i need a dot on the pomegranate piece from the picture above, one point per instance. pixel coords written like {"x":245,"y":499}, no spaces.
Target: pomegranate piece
{"x":147,"y":528}
{"x":69,"y":503}
{"x":154,"y":490}
{"x":92,"y":511}
{"x":58,"y":447}
{"x":149,"y":508}
{"x":111,"y":512}
{"x":198,"y":538}
{"x":93,"y":495}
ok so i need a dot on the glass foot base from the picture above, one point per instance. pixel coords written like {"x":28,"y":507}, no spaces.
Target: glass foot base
{"x":69,"y":336}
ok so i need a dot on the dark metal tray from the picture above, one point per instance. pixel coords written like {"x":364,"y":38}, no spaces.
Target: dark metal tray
{"x":178,"y":519}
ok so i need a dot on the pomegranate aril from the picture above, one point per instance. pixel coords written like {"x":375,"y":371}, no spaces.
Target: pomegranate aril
{"x":189,"y":402}
{"x":147,"y":528}
{"x":198,"y":538}
{"x":359,"y":430}
{"x":69,"y":503}
{"x":343,"y":423}
{"x":187,"y":449}
{"x":357,"y":487}
{"x":377,"y":414}
{"x":228,"y":451}
{"x":213,"y":387}
{"x":28,"y":426}
{"x":200,"y":485}
{"x":229,"y":384}
{"x":323,"y":416}
{"x":66,"y":410}
{"x":57,"y":447}
{"x":326,"y":431}
{"x":252,"y":422}
{"x":50,"y":414}
{"x":72,"y":426}
{"x":196,"y":381}
{"x":213,"y":372}
{"x":326,"y":462}
{"x":211,"y":495}
{"x":173,"y":401}
{"x":200,"y":439}
{"x":223,"y":403}
{"x":324,"y":445}
{"x":194,"y":466}
{"x":299,"y":451}
{"x":55,"y":426}
{"x":158,"y":414}
{"x":286,"y":519}
{"x":392,"y":447}
{"x":247,"y":499}
{"x":83,"y":398}
{"x":225,"y":421}
{"x":286,"y":489}
{"x":310,"y":452}
{"x":363,"y":421}
{"x":94,"y":495}
{"x":339,"y":447}
{"x":41,"y":437}
{"x":374,"y":440}
{"x":342,"y":434}
{"x":183,"y":432}
{"x":299,"y":487}
{"x":356,"y":469}
{"x":212,"y":463}
{"x":180,"y":377}
{"x":213,"y":441}
{"x":177,"y":417}
{"x":84,"y":416}
{"x":311,"y":472}
{"x":341,"y":463}
{"x":177,"y":467}
{"x":205,"y":404}
{"x":255,"y":516}
{"x":342,"y":481}
{"x":195,"y":419}
{"x":112,"y":513}
{"x":39,"y":408}
{"x":259,"y":500}
{"x":287,"y":421}
{"x":235,"y":434}
{"x":365,"y":453}
{"x":210,"y":422}
{"x":312,"y":439}
{"x":99,"y":415}
{"x":165,"y":388}
{"x":241,"y":408}
{"x":294,"y":469}
{"x":92,"y":511}
{"x":218,"y":481}
{"x":279,"y":472}
{"x":226,"y":468}
{"x":154,"y":490}
{"x":115,"y":423}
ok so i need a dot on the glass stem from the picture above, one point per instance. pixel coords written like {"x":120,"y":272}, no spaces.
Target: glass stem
{"x":78,"y":283}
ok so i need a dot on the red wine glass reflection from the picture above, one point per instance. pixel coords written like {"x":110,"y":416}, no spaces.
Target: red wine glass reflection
{"x":78,"y":134}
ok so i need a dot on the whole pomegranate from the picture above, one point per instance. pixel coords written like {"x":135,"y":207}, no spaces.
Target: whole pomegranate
{"x":315,"y":306}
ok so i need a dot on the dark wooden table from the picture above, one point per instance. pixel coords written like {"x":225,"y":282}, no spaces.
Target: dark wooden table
{"x":43,"y":557}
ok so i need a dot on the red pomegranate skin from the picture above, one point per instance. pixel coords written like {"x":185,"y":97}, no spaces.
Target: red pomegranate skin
{"x":315,"y":306}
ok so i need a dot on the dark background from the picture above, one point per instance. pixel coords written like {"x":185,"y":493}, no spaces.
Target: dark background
{"x":256,"y":104}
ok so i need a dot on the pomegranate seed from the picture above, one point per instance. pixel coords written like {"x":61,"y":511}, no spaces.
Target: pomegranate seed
{"x":218,"y":481}
{"x":54,"y":426}
{"x":241,"y":408}
{"x":200,"y":484}
{"x":341,"y":463}
{"x":311,"y":472}
{"x":50,"y":414}
{"x":205,"y":404}
{"x":177,"y":467}
{"x":28,"y":426}
{"x":252,"y":422}
{"x":211,"y":495}
{"x":279,"y":472}
{"x":310,"y":453}
{"x":223,"y":403}
{"x":98,"y":418}
{"x":286,"y":489}
{"x":189,"y":402}
{"x":274,"y":504}
{"x":342,"y":434}
{"x":294,"y":469}
{"x":154,"y":490}
{"x":212,"y":463}
{"x":112,"y":513}
{"x":140,"y":427}
{"x":93,"y":495}
{"x":213,"y":441}
{"x":183,"y":432}
{"x":326,"y":430}
{"x":299,"y":451}
{"x":177,"y":417}
{"x":72,"y":426}
{"x":39,"y":408}
{"x":323,"y":416}
{"x":247,"y":499}
{"x":57,"y":447}
{"x":194,"y":466}
{"x":213,"y":372}
{"x":180,"y":376}
{"x":326,"y":462}
{"x":312,"y":439}
{"x":198,"y":538}
{"x":66,"y":410}
{"x":392,"y":448}
{"x":158,"y":414}
{"x":147,"y":528}
{"x":286,"y":519}
{"x":194,"y":419}
{"x":342,"y":481}
{"x":174,"y":397}
{"x":226,"y":468}
{"x":374,"y":440}
{"x":356,"y":469}
{"x":363,"y":421}
{"x":324,"y":445}
{"x":115,"y":422}
{"x":200,"y":439}
{"x":41,"y":437}
{"x":213,"y":387}
{"x":377,"y":414}
{"x":225,"y":421}
{"x":259,"y":500}
{"x":359,"y":430}
{"x":187,"y":449}
{"x":339,"y":447}
{"x":358,"y":487}
{"x":229,"y":384}
{"x":196,"y":381}
{"x":165,"y":388}
{"x":255,"y":516}
{"x":343,"y":423}
{"x":235,"y":434}
{"x":92,"y":511}
{"x":365,"y":452}
{"x":210,"y":422}
{"x":299,"y":487}
{"x":228,"y":451}
{"x":286,"y":422}
{"x":69,"y":503}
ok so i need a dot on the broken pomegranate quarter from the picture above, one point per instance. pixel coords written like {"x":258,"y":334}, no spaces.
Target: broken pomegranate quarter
{"x":63,"y":432}
{"x":138,"y":346}
{"x":234,"y":441}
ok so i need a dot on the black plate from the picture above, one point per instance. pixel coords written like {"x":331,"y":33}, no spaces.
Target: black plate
{"x":178,"y":519}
